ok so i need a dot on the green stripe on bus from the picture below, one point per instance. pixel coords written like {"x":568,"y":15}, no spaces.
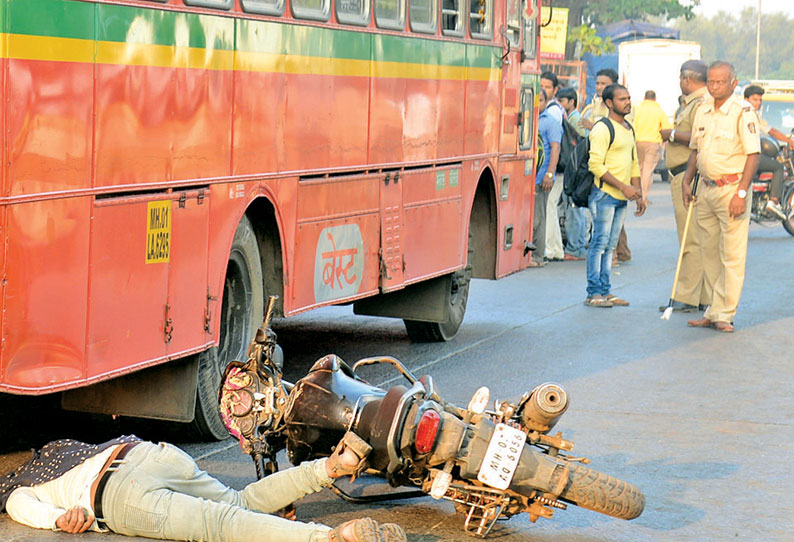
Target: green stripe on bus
{"x":63,"y":20}
{"x":287,"y":39}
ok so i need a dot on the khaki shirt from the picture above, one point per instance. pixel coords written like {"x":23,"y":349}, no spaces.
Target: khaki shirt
{"x":678,"y":153}
{"x":724,"y":137}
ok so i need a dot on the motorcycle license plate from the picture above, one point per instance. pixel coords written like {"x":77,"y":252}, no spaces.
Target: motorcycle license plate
{"x":501,"y":458}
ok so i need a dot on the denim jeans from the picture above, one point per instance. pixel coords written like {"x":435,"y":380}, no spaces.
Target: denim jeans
{"x":576,"y":231}
{"x":159,"y":492}
{"x":608,"y":216}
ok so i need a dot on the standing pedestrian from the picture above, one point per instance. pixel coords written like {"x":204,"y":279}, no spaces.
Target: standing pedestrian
{"x":550,"y":132}
{"x":137,"y":488}
{"x":648,"y":121}
{"x":726,"y":148}
{"x":616,"y":172}
{"x":691,"y":293}
{"x":553,"y":251}
{"x":591,"y":114}
{"x":575,"y":217}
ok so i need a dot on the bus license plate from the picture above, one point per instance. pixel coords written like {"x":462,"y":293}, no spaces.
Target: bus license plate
{"x":501,"y":458}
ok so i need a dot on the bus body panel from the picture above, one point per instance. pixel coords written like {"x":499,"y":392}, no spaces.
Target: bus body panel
{"x":368,"y":145}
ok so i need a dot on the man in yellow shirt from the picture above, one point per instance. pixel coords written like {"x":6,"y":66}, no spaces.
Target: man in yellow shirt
{"x":650,"y":118}
{"x":726,"y":149}
{"x":616,"y":172}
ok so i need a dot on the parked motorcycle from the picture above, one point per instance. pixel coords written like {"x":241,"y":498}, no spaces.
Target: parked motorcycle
{"x":491,"y":463}
{"x":761,"y":184}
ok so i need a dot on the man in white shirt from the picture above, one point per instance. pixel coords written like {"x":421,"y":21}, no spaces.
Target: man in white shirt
{"x":138,"y":488}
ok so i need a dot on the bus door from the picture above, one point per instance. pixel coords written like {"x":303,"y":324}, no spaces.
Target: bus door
{"x":511,"y":79}
{"x":392,"y":238}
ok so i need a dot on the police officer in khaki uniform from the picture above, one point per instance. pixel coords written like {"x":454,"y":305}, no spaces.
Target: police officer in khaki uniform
{"x":726,"y":148}
{"x":690,"y":295}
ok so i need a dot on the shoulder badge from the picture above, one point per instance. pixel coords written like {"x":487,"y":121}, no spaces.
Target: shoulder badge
{"x":751,"y":127}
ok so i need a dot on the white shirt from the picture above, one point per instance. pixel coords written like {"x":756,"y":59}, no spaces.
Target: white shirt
{"x":39,"y":506}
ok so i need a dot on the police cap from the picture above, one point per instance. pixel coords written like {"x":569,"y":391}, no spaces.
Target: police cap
{"x":697,"y":66}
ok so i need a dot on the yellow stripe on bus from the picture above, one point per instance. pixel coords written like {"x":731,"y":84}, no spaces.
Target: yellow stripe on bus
{"x":56,"y":49}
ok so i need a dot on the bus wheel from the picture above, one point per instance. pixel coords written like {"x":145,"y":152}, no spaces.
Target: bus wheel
{"x":436,"y":332}
{"x":242,"y":307}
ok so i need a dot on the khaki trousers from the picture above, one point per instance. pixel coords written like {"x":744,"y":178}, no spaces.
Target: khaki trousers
{"x":648,"y":155}
{"x":553,"y":248}
{"x":691,"y":288}
{"x":723,"y":247}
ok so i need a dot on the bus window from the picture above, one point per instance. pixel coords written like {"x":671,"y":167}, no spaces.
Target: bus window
{"x":264,"y":7}
{"x":353,"y":12}
{"x":217,"y":4}
{"x":315,"y":10}
{"x":530,"y":38}
{"x":514,"y":22}
{"x":423,"y":16}
{"x":526,"y":118}
{"x":481,"y":19}
{"x":390,"y":14}
{"x":452,"y":17}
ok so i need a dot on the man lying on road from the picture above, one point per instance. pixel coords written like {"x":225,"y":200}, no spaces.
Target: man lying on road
{"x":138,"y":488}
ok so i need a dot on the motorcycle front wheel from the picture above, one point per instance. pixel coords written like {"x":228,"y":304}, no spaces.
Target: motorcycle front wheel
{"x":602,"y":493}
{"x":788,"y":208}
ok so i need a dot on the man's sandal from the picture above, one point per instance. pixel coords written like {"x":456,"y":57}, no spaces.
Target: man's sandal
{"x":597,"y":301}
{"x":368,"y":530}
{"x":617,"y":301}
{"x":359,"y":447}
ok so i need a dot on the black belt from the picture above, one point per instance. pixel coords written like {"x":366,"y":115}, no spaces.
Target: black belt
{"x":105,"y":476}
{"x":679,"y":169}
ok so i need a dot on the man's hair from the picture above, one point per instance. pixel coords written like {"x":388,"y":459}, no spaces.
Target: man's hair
{"x":609,"y":92}
{"x":549,"y":76}
{"x":545,"y":96}
{"x":570,"y":94}
{"x":608,"y":72}
{"x":650,"y":95}
{"x":723,"y":64}
{"x":752,"y":90}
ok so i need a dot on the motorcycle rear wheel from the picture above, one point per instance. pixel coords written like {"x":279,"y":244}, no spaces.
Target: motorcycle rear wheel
{"x":602,"y":493}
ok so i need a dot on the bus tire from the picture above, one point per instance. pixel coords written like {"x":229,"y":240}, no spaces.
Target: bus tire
{"x":242,"y":308}
{"x":425,"y":332}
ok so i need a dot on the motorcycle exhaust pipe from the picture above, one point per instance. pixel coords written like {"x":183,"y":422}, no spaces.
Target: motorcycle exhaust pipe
{"x":544,"y":406}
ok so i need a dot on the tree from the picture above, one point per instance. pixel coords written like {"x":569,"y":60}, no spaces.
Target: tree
{"x":598,"y":12}
{"x":732,"y":38}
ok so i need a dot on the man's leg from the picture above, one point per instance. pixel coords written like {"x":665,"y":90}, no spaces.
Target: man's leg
{"x":767,"y":164}
{"x":598,"y":257}
{"x":690,"y":288}
{"x":732,"y":255}
{"x":648,"y":154}
{"x":553,"y":235}
{"x":619,"y":208}
{"x":622,"y":251}
{"x":160,"y":493}
{"x":539,"y":225}
{"x":708,"y":226}
{"x":575,"y":228}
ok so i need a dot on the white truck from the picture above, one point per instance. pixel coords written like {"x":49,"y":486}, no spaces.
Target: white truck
{"x":654,"y":64}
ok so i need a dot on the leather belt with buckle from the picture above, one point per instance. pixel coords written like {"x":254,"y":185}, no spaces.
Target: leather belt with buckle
{"x":724,"y":180}
{"x":110,"y":466}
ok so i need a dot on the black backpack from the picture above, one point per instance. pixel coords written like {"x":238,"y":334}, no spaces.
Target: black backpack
{"x":570,"y":140}
{"x":578,"y":179}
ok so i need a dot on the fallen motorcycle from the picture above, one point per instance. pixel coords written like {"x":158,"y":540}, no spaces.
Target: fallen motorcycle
{"x":491,"y":463}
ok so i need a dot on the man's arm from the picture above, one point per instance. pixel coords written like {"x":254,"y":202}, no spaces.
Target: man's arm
{"x":548,"y":181}
{"x":24,"y":507}
{"x":686,"y":182}
{"x":738,"y":205}
{"x":780,"y":136}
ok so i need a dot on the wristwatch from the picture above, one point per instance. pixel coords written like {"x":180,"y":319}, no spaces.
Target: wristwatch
{"x":741,"y":193}
{"x":549,"y":174}
{"x":671,"y":139}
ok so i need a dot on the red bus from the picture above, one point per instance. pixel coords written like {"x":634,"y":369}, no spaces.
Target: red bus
{"x":167,"y":164}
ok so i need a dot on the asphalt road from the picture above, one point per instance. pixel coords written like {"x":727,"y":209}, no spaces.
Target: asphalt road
{"x":700,"y":421}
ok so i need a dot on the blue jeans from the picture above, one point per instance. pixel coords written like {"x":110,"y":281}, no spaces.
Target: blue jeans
{"x":608,"y":216}
{"x":159,"y":492}
{"x":576,"y":231}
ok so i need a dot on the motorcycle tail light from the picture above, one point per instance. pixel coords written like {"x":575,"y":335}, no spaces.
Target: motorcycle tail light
{"x":426,"y":431}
